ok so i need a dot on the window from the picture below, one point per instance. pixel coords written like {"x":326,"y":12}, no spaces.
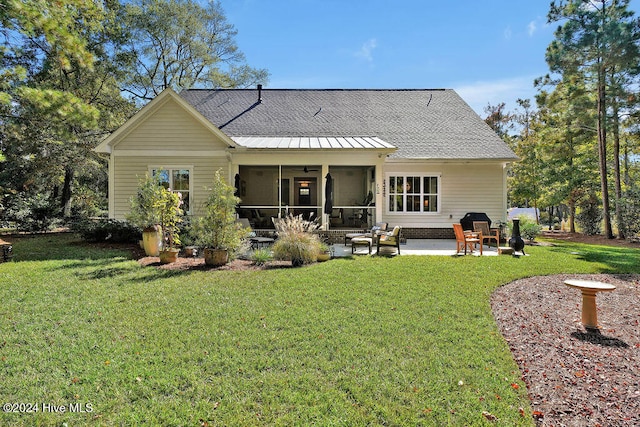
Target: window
{"x":413,"y":193}
{"x":177,"y":180}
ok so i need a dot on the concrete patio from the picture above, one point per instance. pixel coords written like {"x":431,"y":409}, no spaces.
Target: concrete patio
{"x":446,"y":247}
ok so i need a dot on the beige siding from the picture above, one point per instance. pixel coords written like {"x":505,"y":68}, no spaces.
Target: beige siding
{"x":465,"y":187}
{"x":170,"y":128}
{"x":128,"y":171}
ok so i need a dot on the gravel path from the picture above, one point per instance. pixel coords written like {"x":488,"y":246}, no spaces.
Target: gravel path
{"x":575,"y":378}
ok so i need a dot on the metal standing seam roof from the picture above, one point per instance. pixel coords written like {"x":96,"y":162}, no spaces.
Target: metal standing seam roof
{"x":421,"y":124}
{"x":311,"y":143}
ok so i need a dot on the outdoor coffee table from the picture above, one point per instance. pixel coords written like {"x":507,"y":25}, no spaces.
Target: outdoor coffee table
{"x":589,"y":288}
{"x":257,"y":242}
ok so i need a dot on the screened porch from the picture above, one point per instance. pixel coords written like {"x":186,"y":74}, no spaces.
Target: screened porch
{"x":276,"y":191}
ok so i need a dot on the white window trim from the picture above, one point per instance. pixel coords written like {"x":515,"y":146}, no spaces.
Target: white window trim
{"x":174,"y":167}
{"x":404,"y":176}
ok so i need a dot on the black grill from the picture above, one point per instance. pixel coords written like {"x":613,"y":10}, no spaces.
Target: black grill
{"x":467,"y":220}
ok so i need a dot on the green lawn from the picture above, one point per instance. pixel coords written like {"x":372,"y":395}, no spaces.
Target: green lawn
{"x":353,"y":342}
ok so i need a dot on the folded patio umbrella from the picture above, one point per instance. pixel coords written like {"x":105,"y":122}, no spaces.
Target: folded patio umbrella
{"x":328,"y":195}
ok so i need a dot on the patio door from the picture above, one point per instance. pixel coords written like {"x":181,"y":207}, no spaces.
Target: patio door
{"x":306,"y":194}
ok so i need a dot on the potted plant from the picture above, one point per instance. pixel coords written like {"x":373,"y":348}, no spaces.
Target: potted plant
{"x":217,"y":230}
{"x":170,"y":217}
{"x":324,"y":253}
{"x":187,"y":238}
{"x":144,"y":213}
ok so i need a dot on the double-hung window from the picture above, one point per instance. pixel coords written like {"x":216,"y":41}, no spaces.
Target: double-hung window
{"x":413,"y":193}
{"x":178,"y":180}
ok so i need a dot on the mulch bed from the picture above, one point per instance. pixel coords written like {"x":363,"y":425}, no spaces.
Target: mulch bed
{"x":575,"y":377}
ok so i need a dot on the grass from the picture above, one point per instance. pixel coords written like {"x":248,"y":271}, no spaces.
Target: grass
{"x":351,"y":342}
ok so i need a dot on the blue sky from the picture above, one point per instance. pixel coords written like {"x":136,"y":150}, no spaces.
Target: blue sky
{"x":489,"y":51}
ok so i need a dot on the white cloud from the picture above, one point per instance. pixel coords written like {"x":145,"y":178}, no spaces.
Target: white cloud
{"x":532,"y":27}
{"x":479,"y":94}
{"x":366,"y":51}
{"x":508,"y":33}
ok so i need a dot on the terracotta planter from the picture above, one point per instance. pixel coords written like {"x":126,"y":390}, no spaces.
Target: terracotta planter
{"x":168,"y":256}
{"x":190,"y":251}
{"x":324,"y":256}
{"x":152,"y":240}
{"x":216,"y":257}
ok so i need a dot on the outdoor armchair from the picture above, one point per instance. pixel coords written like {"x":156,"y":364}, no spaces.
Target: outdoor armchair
{"x":466,"y":239}
{"x":487,"y":233}
{"x":391,"y":238}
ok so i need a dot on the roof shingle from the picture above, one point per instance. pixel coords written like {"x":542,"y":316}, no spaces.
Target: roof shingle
{"x":423,"y":124}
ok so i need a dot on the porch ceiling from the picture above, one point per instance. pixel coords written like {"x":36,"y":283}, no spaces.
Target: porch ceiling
{"x":314,"y":142}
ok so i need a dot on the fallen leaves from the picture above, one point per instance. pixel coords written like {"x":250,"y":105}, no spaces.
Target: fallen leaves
{"x":489,"y":416}
{"x":537,"y":415}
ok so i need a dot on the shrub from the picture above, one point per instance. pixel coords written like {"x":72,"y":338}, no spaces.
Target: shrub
{"x":589,"y":217}
{"x":296,"y":241}
{"x":33,"y":212}
{"x":147,"y":202}
{"x":111,"y":230}
{"x":217,"y":227}
{"x":170,"y":217}
{"x":631,"y":212}
{"x":529,"y":228}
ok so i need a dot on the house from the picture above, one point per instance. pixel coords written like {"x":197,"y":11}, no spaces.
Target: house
{"x":416,"y":158}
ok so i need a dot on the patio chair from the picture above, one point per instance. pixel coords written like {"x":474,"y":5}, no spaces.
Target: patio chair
{"x":379,"y":228}
{"x":255,"y":240}
{"x":466,"y":239}
{"x":337,"y":217}
{"x":390,"y":238}
{"x":487,"y":233}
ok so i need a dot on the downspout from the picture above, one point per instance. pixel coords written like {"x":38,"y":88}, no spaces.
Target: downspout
{"x":380,"y":185}
{"x":505,"y":192}
{"x":111,"y":186}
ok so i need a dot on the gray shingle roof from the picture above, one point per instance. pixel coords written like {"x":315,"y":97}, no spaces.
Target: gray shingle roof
{"x":425,"y":124}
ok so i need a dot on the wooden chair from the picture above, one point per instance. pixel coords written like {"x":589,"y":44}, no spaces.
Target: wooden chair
{"x":486,"y":232}
{"x":391,"y":238}
{"x":466,"y":239}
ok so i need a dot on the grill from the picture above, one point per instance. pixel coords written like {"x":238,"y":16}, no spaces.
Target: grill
{"x":469,"y":217}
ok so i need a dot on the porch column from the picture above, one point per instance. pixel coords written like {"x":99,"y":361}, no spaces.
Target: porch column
{"x":379,"y":196}
{"x":234,"y":169}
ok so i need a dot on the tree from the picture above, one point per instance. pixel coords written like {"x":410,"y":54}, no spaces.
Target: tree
{"x":499,"y":120}
{"x":564,"y":128}
{"x":182,"y":44}
{"x":61,"y":104}
{"x":525,"y":175}
{"x":598,"y":36}
{"x":58,"y":28}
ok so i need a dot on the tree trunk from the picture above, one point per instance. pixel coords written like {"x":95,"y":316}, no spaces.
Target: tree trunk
{"x":65,"y":202}
{"x":602,"y":149}
{"x":616,"y":167}
{"x":572,"y":213}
